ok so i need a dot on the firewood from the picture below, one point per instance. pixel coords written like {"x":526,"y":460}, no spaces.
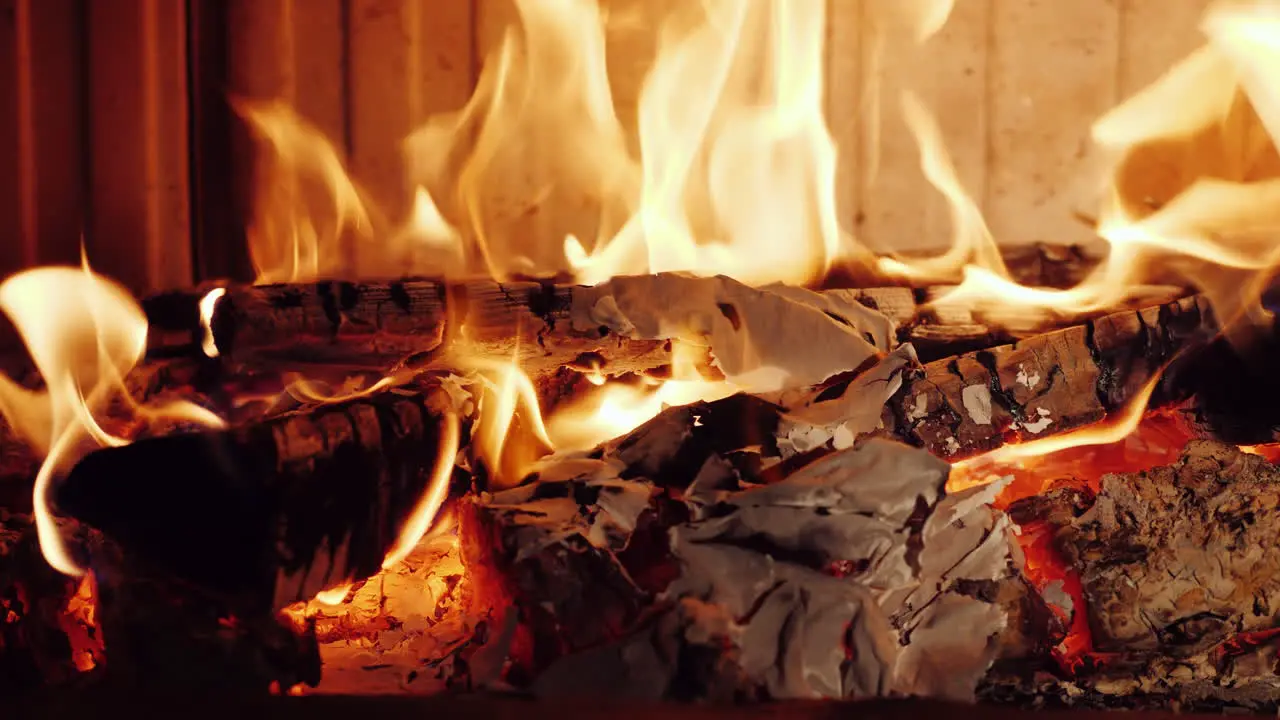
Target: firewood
{"x":1050,"y":383}
{"x":934,"y":342}
{"x":277,"y":509}
{"x":163,"y":631}
{"x":1048,"y":265}
{"x":333,"y":321}
{"x":1180,"y":583}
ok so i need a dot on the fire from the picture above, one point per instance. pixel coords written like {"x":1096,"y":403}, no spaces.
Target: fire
{"x":1036,"y":456}
{"x":84,"y":334}
{"x":726,"y":167}
{"x":616,"y":408}
{"x":207,"y":303}
{"x":437,"y":490}
{"x":506,"y":439}
{"x":1194,"y":190}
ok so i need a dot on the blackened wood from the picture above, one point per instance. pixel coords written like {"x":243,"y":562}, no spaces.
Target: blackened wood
{"x":163,"y":631}
{"x":1050,"y":383}
{"x":276,"y":510}
{"x":332,"y":321}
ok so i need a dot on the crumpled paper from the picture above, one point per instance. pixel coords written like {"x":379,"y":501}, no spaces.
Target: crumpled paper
{"x":851,"y":578}
{"x":762,"y":339}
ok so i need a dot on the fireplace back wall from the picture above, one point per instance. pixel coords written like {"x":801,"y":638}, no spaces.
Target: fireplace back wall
{"x":121,"y":133}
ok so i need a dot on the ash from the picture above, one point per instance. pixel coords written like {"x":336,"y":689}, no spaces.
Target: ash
{"x":855,"y":576}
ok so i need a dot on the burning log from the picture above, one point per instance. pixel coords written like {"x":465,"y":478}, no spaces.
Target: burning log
{"x":165,"y":632}
{"x":1178,"y":580}
{"x":336,"y":321}
{"x":278,"y":509}
{"x":1050,"y":383}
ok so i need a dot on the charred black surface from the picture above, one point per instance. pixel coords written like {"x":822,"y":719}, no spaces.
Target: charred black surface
{"x":276,"y":510}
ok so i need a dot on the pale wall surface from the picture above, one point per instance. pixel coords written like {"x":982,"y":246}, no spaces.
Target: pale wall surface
{"x":1015,"y":85}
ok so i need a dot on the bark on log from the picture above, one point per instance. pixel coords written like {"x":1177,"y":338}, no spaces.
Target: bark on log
{"x":277,"y":510}
{"x":1180,"y":582}
{"x":1050,"y":383}
{"x":332,"y":321}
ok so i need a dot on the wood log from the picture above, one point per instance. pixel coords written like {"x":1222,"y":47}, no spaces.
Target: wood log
{"x":275,"y":510}
{"x":163,"y":631}
{"x":1178,"y":580}
{"x":1051,"y":383}
{"x":332,"y":321}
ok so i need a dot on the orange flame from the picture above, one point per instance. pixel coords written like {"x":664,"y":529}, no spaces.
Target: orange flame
{"x":615,"y":408}
{"x":729,"y":167}
{"x":424,"y":513}
{"x":84,"y":333}
{"x":1194,"y":193}
{"x":505,"y":390}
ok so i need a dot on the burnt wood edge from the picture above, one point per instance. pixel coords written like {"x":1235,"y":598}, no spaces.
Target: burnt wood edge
{"x":1086,"y":371}
{"x":273,"y":510}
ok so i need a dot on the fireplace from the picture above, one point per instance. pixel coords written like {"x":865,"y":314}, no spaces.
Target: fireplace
{"x":694,"y":353}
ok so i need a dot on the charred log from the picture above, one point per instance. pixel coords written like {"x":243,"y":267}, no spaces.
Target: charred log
{"x":1050,"y":383}
{"x":333,"y":321}
{"x":275,"y":510}
{"x":1179,"y":584}
{"x":163,"y":631}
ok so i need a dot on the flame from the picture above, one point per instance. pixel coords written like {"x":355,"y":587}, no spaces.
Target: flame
{"x":1026,"y":455}
{"x":84,"y":333}
{"x":306,"y":206}
{"x":333,"y":596}
{"x":616,"y":408}
{"x":725,"y":167}
{"x":506,"y":446}
{"x":1194,"y":192}
{"x":433,"y":498}
{"x":207,"y":304}
{"x":972,"y":244}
